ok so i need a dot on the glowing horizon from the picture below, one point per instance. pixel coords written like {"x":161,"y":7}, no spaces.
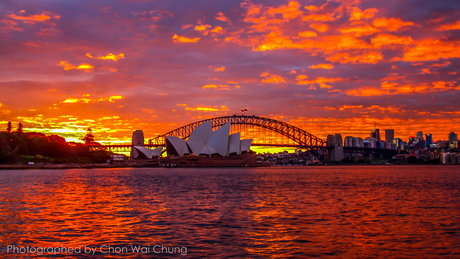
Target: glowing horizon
{"x":324,"y":66}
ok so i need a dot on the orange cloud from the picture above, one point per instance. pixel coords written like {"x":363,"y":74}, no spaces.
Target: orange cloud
{"x":366,"y":58}
{"x":87,"y":67}
{"x":320,"y":27}
{"x":442,"y":85}
{"x":347,"y":107}
{"x":303,"y":80}
{"x":323,"y":66}
{"x":221,"y":17}
{"x":87,"y":99}
{"x":388,"y":39}
{"x":357,"y":14}
{"x":219,"y":87}
{"x":359,"y":31}
{"x":311,"y":7}
{"x":111,"y":56}
{"x":217,"y":69}
{"x":182,"y":39}
{"x":318,"y":17}
{"x":217,"y":29}
{"x":209,"y":86}
{"x":307,"y":34}
{"x":202,"y":27}
{"x":392,"y":88}
{"x":291,"y":11}
{"x":207,"y":109}
{"x":451,"y":26}
{"x":272,"y":79}
{"x":428,"y":50}
{"x":275,"y":41}
{"x":391,"y":24}
{"x":33,"y":18}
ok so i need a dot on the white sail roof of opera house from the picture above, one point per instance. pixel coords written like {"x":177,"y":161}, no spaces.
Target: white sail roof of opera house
{"x":149,"y":152}
{"x":203,"y":141}
{"x":178,"y":144}
{"x":245,"y":145}
{"x":199,"y":137}
{"x":219,"y":139}
{"x":234,"y":145}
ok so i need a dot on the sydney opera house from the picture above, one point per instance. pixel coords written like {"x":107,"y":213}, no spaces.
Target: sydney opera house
{"x":203,"y":148}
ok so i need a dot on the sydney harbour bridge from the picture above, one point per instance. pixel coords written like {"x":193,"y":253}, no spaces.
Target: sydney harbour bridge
{"x":263,"y":131}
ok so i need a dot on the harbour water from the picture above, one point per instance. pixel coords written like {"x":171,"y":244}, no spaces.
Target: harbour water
{"x":333,"y":211}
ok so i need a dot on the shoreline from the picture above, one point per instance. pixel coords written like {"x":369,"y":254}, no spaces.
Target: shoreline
{"x":92,"y":166}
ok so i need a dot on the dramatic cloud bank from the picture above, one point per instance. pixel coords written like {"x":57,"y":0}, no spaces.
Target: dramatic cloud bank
{"x":325,"y":66}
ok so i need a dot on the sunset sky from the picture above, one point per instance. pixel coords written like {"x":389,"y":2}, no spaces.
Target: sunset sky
{"x":325,"y":66}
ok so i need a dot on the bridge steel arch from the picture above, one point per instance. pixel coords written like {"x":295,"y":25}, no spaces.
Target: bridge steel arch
{"x":299,"y":136}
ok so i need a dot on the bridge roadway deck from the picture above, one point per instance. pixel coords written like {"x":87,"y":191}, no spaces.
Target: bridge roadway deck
{"x":254,"y":144}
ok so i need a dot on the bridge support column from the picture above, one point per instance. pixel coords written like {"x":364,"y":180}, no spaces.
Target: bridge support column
{"x":335,"y":148}
{"x":138,"y":140}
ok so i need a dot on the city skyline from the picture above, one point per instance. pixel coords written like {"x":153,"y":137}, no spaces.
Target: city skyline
{"x":324,"y":66}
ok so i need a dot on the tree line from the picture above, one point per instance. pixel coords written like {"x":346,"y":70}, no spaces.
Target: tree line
{"x":19,"y":147}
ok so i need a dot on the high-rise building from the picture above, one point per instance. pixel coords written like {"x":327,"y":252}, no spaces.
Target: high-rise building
{"x":452,"y":137}
{"x":375,"y":134}
{"x":389,"y":135}
{"x":428,"y":139}
{"x":419,"y":134}
{"x":420,"y":140}
{"x":397,"y":142}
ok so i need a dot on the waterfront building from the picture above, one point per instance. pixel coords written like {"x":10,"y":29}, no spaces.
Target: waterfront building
{"x":146,"y":153}
{"x":389,"y":135}
{"x":203,"y":141}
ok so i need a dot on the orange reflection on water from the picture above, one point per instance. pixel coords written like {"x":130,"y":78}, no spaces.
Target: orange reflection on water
{"x":72,"y":210}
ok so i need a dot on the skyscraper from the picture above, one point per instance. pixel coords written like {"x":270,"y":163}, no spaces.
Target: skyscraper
{"x":452,"y":137}
{"x":389,"y":135}
{"x":420,"y":140}
{"x":429,"y":140}
{"x":375,"y":134}
{"x":419,"y":135}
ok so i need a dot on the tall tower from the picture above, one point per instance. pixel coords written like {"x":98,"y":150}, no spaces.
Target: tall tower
{"x":429,"y":140}
{"x":389,"y":135}
{"x":138,"y":140}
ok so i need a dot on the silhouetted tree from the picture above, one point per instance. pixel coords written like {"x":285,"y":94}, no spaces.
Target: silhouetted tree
{"x":8,"y":129}
{"x":20,"y":127}
{"x":89,"y":138}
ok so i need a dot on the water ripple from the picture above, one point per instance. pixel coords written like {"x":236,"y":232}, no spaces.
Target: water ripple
{"x":363,"y":211}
